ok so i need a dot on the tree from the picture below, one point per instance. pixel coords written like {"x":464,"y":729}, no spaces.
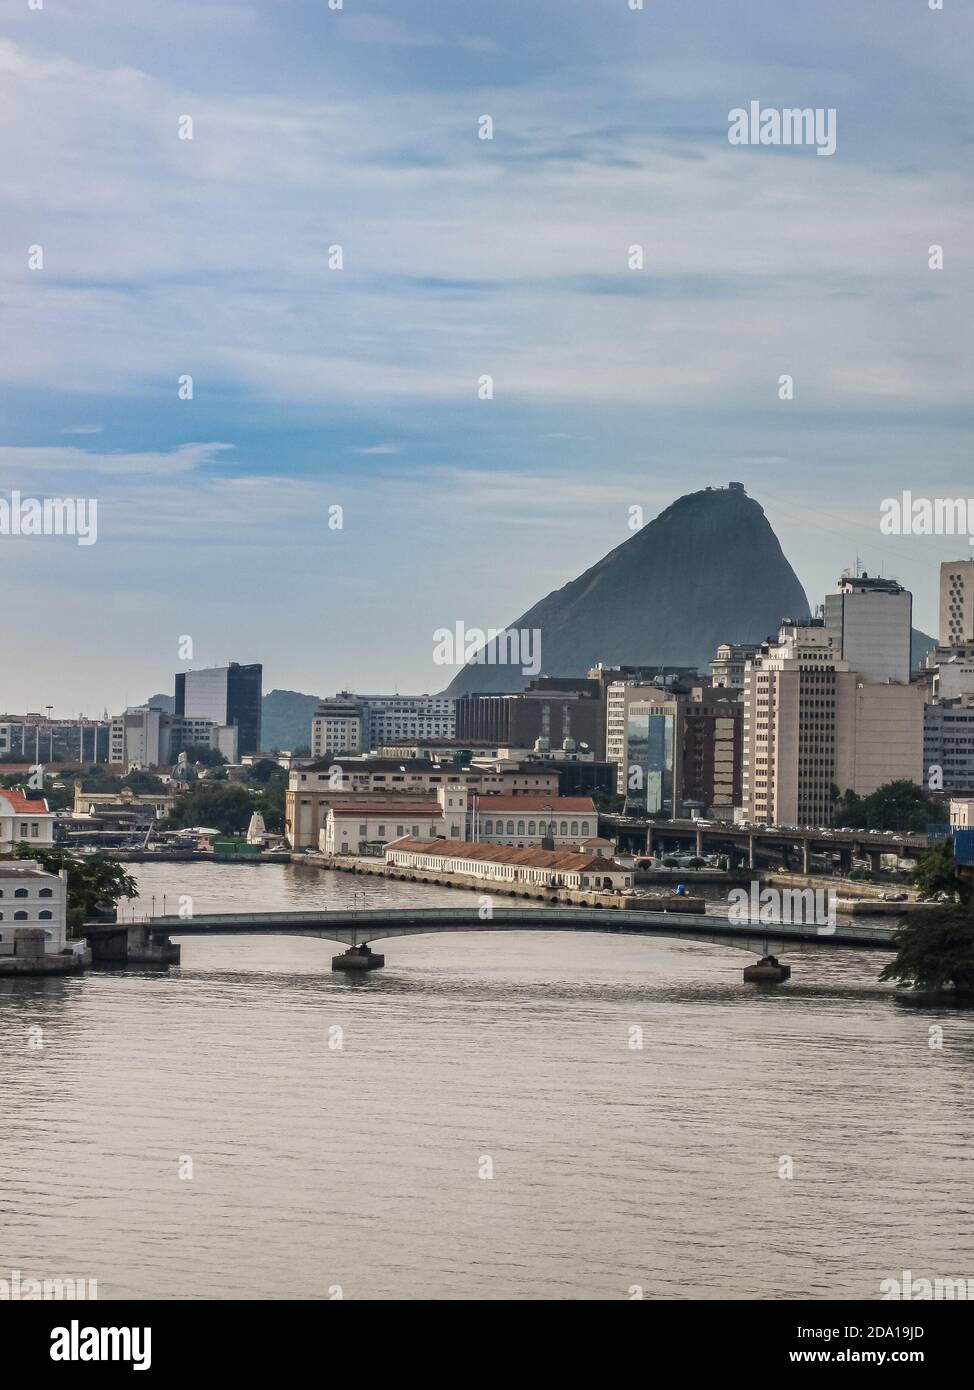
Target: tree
{"x":264,"y":770}
{"x":96,"y":883}
{"x":935,"y":951}
{"x":936,"y":872}
{"x":224,"y":805}
{"x":141,"y":782}
{"x":898,"y":805}
{"x":207,"y":757}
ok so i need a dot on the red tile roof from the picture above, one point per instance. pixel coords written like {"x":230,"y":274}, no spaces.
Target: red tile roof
{"x":569,"y":860}
{"x":22,"y":805}
{"x":570,"y":805}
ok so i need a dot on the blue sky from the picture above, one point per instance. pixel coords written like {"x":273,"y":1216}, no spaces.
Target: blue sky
{"x":462,"y":257}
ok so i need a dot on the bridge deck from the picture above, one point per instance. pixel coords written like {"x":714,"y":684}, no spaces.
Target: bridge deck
{"x":379,"y":924}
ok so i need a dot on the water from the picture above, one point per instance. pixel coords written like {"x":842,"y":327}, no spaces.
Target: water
{"x":315,"y":1168}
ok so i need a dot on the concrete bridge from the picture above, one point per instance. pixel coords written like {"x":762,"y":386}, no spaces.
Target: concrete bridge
{"x":149,"y":941}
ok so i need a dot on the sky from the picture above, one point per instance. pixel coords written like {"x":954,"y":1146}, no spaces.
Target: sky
{"x":315,"y":387}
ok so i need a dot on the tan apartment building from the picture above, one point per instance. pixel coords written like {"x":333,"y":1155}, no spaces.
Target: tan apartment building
{"x":811,"y":724}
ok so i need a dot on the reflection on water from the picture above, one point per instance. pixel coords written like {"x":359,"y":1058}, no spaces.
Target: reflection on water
{"x":636,"y":1100}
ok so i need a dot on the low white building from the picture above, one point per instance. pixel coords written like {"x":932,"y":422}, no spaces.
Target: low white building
{"x":962,"y":814}
{"x":363,"y":827}
{"x":24,"y":819}
{"x":31,"y":897}
{"x":527,"y":820}
{"x":505,"y":864}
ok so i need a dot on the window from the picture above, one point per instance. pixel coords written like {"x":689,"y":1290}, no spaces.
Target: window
{"x":46,"y":916}
{"x":46,"y":893}
{"x":20,"y":893}
{"x":20,"y":916}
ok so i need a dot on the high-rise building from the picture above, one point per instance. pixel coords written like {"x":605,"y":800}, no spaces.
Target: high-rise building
{"x":870,"y":622}
{"x":948,"y":745}
{"x":813,"y":726}
{"x":337,"y":727}
{"x":956,"y":602}
{"x":363,"y":723}
{"x":147,"y":737}
{"x":696,"y":751}
{"x":550,"y":709}
{"x":224,"y":695}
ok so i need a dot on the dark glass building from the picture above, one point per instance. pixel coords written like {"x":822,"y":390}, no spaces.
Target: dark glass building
{"x":226,"y":695}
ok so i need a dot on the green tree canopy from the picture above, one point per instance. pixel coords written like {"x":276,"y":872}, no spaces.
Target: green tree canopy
{"x":935,"y":951}
{"x":899,"y":805}
{"x":207,"y":757}
{"x":226,"y":806}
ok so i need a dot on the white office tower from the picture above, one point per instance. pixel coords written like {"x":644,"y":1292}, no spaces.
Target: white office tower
{"x":870,"y":622}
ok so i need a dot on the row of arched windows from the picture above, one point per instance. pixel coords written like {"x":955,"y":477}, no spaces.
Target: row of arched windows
{"x":25,"y":893}
{"x":25,"y":916}
{"x":535,"y":828}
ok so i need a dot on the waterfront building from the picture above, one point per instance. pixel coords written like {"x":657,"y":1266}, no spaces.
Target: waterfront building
{"x":32,"y":898}
{"x":366,"y":827}
{"x":24,"y":819}
{"x":504,"y":865}
{"x":224,"y":695}
{"x":314,"y":788}
{"x":528,"y":820}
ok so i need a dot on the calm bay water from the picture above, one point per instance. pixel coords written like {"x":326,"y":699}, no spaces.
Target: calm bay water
{"x":613,"y":1166}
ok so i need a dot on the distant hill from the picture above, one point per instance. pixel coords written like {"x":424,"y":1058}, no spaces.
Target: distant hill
{"x":286,"y":719}
{"x":920,"y":645}
{"x":708,"y":569}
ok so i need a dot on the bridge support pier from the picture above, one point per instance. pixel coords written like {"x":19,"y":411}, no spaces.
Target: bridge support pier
{"x":767,"y":971}
{"x":806,"y":857}
{"x":358,"y":958}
